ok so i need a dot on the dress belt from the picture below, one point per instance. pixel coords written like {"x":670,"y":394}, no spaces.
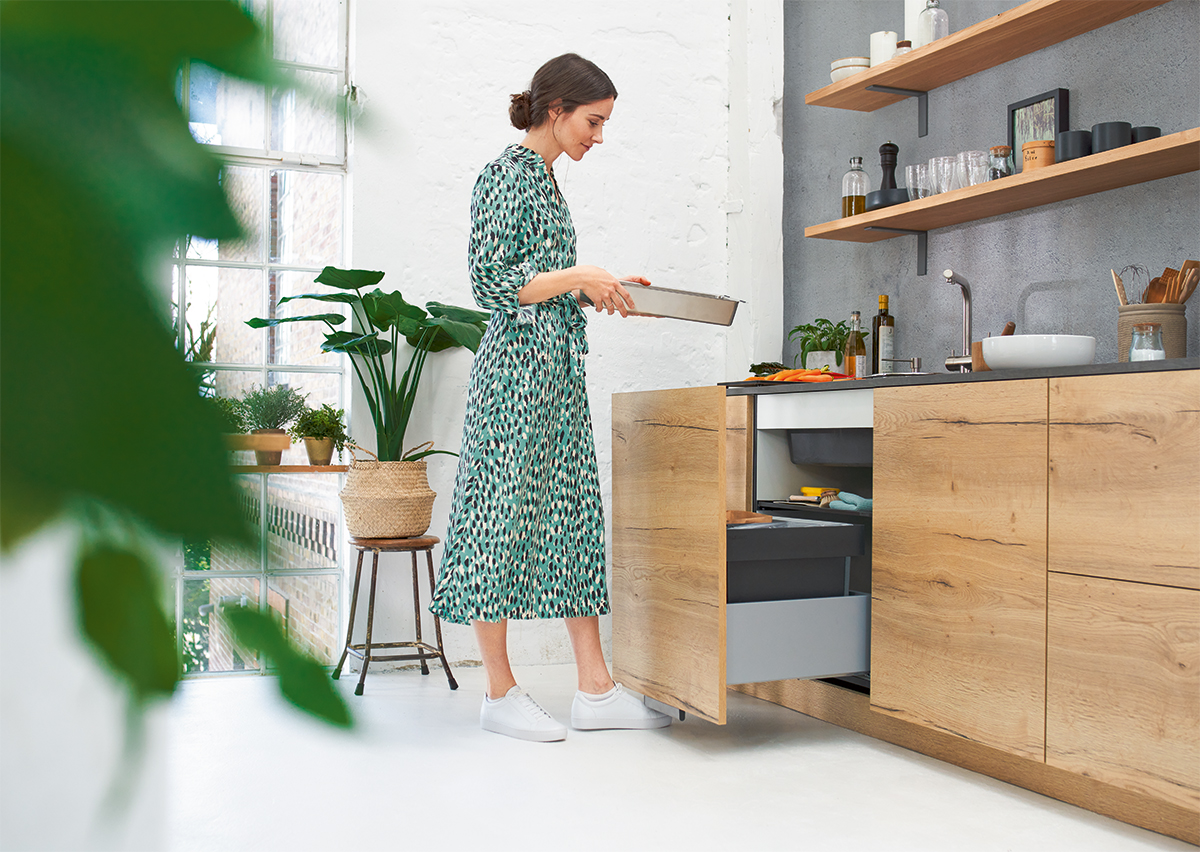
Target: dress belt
{"x":566,"y":321}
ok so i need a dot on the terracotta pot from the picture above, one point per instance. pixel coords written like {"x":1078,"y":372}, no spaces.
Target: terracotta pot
{"x":268,"y":457}
{"x":320,"y":450}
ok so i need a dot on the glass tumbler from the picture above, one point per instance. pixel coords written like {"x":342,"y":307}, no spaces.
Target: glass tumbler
{"x":942,"y":173}
{"x":973,"y":167}
{"x":916,"y":177}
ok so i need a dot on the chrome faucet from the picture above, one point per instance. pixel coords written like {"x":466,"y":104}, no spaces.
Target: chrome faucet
{"x":961,"y":363}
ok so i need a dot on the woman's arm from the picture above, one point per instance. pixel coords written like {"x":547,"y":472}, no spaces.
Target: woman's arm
{"x":599,"y":285}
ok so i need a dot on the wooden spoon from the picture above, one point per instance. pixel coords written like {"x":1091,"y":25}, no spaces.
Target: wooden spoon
{"x":1156,"y":291}
{"x":1189,"y":285}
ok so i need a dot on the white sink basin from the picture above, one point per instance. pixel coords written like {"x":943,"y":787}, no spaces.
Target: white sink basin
{"x":1038,"y":350}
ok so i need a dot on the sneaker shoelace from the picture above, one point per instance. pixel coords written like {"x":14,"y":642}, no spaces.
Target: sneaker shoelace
{"x":525,"y":700}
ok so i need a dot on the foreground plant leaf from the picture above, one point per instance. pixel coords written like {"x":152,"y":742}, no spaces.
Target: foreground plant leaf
{"x":117,"y":602}
{"x":302,"y":680}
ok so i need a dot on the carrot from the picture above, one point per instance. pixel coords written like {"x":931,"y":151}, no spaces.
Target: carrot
{"x":815,"y":378}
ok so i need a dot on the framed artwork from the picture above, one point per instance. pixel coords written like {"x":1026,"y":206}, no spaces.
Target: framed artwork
{"x":1043,"y":116}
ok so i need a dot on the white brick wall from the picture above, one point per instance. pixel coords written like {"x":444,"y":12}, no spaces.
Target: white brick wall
{"x":650,"y":200}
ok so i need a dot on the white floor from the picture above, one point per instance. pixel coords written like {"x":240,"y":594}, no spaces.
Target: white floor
{"x":418,"y":774}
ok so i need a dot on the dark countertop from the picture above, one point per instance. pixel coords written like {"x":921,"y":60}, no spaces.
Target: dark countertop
{"x":746,"y":389}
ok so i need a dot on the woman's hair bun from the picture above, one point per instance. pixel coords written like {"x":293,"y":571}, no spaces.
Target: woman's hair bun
{"x":520,"y":111}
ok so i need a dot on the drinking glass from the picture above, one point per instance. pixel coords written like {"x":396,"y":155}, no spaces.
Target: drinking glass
{"x":972,"y":168}
{"x":942,"y":171}
{"x":916,"y":177}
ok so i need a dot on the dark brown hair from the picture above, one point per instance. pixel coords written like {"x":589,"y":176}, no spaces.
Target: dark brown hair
{"x":568,"y":81}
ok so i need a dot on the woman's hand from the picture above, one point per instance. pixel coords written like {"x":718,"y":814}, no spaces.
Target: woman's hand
{"x":603,"y":290}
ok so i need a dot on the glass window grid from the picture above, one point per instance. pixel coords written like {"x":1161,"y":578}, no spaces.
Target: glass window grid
{"x":267,"y":160}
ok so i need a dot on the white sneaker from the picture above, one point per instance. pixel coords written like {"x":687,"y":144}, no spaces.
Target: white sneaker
{"x":518,"y":715}
{"x":615,"y":709}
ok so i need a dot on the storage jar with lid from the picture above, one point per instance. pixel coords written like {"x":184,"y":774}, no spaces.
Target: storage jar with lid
{"x":932,"y":24}
{"x":1000,"y":162}
{"x":855,"y":186}
{"x":1147,"y":343}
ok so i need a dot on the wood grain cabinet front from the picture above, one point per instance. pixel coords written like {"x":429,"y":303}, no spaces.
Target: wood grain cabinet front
{"x":687,"y":620}
{"x":958,"y":622}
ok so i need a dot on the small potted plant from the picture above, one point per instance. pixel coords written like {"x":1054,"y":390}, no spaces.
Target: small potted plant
{"x":821,"y":343}
{"x":267,"y":411}
{"x":322,"y":431}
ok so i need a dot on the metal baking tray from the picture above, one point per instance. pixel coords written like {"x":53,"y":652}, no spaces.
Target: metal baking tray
{"x":678,"y":304}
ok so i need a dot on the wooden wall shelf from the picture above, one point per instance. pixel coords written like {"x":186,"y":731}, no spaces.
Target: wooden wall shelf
{"x":1170,"y":155}
{"x":290,"y":468}
{"x":1010,"y":35}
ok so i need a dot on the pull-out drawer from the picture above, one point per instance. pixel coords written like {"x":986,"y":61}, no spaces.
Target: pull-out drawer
{"x":697,"y":606}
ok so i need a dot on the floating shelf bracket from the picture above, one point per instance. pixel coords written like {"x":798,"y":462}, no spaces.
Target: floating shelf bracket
{"x":922,"y":104}
{"x":922,"y":243}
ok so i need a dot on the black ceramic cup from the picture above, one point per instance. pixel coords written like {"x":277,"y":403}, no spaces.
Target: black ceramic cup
{"x":1141,"y":134}
{"x":1111,"y":134}
{"x":1073,"y":144}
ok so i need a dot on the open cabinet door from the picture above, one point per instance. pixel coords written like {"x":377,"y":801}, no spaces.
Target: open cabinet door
{"x":668,"y":522}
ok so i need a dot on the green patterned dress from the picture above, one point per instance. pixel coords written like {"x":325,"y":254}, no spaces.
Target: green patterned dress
{"x":526,"y":533}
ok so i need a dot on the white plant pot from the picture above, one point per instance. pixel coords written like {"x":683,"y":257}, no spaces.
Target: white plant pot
{"x":817,"y":360}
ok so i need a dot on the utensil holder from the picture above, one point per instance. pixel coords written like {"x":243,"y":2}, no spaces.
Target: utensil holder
{"x":1170,"y":316}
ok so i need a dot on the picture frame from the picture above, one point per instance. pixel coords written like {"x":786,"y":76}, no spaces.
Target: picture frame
{"x":1043,"y":116}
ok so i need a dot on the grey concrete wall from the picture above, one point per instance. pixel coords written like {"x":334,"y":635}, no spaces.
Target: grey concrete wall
{"x":1046,"y":268}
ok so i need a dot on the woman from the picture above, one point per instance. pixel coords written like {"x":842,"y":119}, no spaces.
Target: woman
{"x":526,"y":534}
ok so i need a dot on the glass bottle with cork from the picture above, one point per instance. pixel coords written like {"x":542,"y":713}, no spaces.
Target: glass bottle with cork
{"x":854,"y":189}
{"x":883,"y":332}
{"x":855,"y":360}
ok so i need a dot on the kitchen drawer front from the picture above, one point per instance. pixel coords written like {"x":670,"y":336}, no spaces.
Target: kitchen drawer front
{"x":791,"y":538}
{"x":809,"y":638}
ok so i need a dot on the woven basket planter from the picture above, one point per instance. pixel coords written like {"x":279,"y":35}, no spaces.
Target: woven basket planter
{"x":387,"y":499}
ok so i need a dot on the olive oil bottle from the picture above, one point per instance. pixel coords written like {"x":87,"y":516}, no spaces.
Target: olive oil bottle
{"x":883,"y":332}
{"x":854,"y":189}
{"x":855,"y":360}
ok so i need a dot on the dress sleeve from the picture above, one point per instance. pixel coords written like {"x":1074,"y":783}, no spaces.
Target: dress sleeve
{"x":500,"y":256}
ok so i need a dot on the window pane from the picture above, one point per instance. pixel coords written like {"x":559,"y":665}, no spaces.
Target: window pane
{"x":208,"y":644}
{"x":299,"y":343}
{"x":219,"y":301}
{"x":232,"y":556}
{"x":244,"y":189}
{"x":307,"y":608}
{"x":317,"y":389}
{"x":224,"y":110}
{"x":302,"y":521}
{"x":305,"y":120}
{"x":307,"y":31}
{"x":306,"y":228}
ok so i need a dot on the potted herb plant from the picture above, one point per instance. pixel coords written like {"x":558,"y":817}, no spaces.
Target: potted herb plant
{"x":390,"y":497}
{"x":821,"y":343}
{"x":322,"y":431}
{"x":267,"y":411}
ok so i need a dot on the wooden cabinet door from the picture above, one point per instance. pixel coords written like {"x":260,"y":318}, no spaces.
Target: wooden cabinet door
{"x":958,"y":604}
{"x":1125,"y":477}
{"x":668,"y":547}
{"x":1123,"y":685}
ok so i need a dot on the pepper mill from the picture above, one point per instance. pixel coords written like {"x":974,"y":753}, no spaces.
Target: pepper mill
{"x":887,"y":161}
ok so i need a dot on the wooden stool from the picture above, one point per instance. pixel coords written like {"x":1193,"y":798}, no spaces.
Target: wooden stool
{"x":424,"y":651}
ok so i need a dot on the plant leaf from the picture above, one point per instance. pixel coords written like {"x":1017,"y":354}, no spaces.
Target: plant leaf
{"x":117,"y":601}
{"x":355,"y":344}
{"x":453,"y":312}
{"x":348,"y":279}
{"x":344,"y":298}
{"x":421,"y":455}
{"x":390,"y":309}
{"x":332,"y":319}
{"x":302,"y":680}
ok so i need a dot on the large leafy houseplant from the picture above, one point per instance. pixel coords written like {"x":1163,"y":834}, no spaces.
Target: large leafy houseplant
{"x":382,"y":321}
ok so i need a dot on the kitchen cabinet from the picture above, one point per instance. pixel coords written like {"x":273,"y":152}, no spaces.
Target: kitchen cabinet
{"x":1124,"y":466}
{"x":958,"y":621}
{"x":1123,"y":685}
{"x":679,"y":636}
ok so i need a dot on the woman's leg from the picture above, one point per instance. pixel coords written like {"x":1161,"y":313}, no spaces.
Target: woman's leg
{"x":594,"y":678}
{"x":492,"y":637}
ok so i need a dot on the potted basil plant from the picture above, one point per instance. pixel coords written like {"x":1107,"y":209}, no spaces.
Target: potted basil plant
{"x":390,"y":497}
{"x":821,"y":343}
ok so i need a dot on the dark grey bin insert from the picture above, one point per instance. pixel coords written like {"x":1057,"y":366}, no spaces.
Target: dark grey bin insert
{"x":837,"y":447}
{"x":788,"y":559}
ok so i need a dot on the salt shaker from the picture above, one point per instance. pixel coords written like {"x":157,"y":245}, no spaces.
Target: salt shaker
{"x":1147,"y":343}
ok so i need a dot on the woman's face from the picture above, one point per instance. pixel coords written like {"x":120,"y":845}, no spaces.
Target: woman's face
{"x":578,"y":131}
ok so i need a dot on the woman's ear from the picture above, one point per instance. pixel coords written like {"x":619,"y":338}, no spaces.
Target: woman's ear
{"x":554,"y":110}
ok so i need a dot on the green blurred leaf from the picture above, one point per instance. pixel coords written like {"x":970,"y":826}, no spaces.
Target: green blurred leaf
{"x":332,"y":319}
{"x":117,"y":599}
{"x":302,"y":680}
{"x":348,"y":279}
